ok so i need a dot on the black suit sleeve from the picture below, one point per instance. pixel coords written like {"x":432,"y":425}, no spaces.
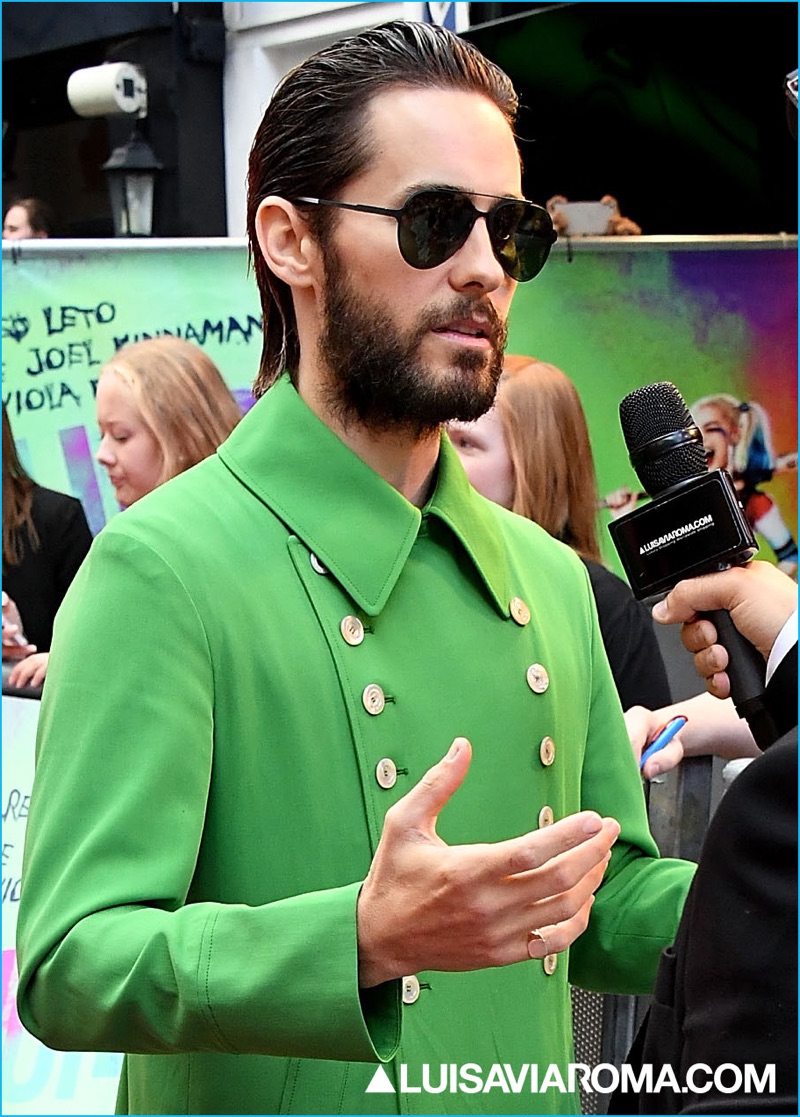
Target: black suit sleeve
{"x":726,"y":992}
{"x":781,"y":692}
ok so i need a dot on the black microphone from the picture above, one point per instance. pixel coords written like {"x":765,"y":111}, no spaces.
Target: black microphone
{"x":693,"y":525}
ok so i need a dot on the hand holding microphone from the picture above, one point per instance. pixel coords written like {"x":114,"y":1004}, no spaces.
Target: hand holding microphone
{"x":694,"y":525}
{"x":758,"y":598}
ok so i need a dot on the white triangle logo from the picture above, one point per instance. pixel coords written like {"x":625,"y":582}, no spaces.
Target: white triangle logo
{"x":380,"y":1083}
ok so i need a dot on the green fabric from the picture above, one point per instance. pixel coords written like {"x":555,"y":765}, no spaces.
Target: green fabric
{"x":206,"y":803}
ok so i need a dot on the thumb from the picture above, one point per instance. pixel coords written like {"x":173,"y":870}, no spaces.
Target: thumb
{"x":420,"y":808}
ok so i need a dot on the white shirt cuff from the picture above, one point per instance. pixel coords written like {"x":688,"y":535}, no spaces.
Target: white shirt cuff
{"x":787,"y":638}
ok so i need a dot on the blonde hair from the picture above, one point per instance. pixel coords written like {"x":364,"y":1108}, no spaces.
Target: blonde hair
{"x":182,"y":397}
{"x":545,"y":431}
{"x":750,"y":430}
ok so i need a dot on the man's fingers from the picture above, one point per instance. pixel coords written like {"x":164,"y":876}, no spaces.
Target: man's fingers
{"x":719,"y":685}
{"x":693,"y":596}
{"x":758,"y":597}
{"x":553,"y":938}
{"x":566,"y":850}
{"x":697,"y":635}
{"x":710,"y":661}
{"x":420,"y":807}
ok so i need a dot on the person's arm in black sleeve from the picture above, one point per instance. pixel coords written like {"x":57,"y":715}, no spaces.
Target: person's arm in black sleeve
{"x":630,"y":641}
{"x":74,"y":541}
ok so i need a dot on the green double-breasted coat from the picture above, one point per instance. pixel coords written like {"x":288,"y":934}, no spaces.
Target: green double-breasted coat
{"x":217,"y":751}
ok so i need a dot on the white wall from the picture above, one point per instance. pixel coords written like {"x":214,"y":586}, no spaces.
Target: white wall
{"x":264,"y":42}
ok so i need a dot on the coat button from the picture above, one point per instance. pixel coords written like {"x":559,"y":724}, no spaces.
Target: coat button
{"x":316,"y":564}
{"x":410,"y":989}
{"x":547,"y":751}
{"x":352,"y":630}
{"x":386,"y":775}
{"x":373,"y":699}
{"x":546,"y":817}
{"x":519,"y":610}
{"x":549,"y":963}
{"x":538,"y":679}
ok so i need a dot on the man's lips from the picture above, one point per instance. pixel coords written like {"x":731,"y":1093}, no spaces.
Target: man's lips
{"x":466,"y":329}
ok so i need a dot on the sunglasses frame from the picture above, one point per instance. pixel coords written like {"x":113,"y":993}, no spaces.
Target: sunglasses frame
{"x":546,"y":241}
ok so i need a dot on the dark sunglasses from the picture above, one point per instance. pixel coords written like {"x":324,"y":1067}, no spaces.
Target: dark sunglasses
{"x":433,"y":224}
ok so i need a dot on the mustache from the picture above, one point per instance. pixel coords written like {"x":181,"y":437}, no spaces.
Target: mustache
{"x":436,"y":318}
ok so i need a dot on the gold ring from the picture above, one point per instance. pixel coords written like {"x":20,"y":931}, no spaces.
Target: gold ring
{"x":534,"y":937}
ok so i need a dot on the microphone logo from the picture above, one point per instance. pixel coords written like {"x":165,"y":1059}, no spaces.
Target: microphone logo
{"x":677,"y":533}
{"x":694,"y":524}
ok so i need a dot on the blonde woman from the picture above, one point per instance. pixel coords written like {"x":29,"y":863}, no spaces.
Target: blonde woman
{"x":162,"y":406}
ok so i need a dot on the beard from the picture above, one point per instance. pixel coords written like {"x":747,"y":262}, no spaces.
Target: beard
{"x":376,"y":375}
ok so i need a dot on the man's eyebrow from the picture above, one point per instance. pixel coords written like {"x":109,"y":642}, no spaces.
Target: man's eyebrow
{"x":415,"y":187}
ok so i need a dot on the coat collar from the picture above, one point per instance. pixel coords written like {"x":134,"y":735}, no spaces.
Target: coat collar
{"x":358,"y":526}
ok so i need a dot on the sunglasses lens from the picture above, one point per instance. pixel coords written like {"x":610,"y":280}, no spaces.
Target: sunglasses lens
{"x":522,"y":236}
{"x":433,"y":227}
{"x":435,"y":224}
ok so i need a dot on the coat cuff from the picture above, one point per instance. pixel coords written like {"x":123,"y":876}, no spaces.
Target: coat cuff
{"x":294,"y":965}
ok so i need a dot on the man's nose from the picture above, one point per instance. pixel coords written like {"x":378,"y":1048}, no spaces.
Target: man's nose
{"x":475,"y":263}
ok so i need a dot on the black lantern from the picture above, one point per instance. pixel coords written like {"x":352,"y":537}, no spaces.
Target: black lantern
{"x":131,"y":171}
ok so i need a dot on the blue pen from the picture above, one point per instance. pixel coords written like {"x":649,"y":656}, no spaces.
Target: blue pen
{"x":663,"y":737}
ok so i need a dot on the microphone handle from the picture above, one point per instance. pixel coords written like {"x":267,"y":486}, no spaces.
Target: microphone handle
{"x":747,"y":673}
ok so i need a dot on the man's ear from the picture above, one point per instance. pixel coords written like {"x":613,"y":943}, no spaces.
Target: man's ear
{"x":286,"y":243}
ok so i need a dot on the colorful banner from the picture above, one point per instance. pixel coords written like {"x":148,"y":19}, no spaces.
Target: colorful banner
{"x":713,"y":315}
{"x":69,"y":305}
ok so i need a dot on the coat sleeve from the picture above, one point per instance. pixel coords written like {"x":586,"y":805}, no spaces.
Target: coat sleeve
{"x":111,"y":955}
{"x":638,"y":906}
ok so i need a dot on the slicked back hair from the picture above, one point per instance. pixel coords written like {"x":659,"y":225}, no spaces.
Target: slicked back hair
{"x":313,"y":139}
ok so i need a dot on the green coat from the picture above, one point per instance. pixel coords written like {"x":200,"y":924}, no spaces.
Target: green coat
{"x":209,"y":795}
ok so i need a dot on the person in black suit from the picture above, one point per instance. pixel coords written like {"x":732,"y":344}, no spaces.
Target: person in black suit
{"x":726,"y":991}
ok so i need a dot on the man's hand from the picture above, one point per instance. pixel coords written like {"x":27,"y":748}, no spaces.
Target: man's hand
{"x":758,"y":597}
{"x":429,"y":906}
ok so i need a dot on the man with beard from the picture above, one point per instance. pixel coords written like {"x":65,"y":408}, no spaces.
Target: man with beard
{"x":352,"y":794}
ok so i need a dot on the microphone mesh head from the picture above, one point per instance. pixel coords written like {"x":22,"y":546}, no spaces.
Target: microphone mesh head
{"x":649,"y":413}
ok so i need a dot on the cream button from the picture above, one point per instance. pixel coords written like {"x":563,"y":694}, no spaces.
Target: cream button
{"x":316,"y":564}
{"x":352,"y":631}
{"x":373,"y":699}
{"x":386,"y":773}
{"x":519,"y":610}
{"x":410,"y":989}
{"x":546,"y":817}
{"x":547,"y":751}
{"x":549,"y":963}
{"x":538,"y":679}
